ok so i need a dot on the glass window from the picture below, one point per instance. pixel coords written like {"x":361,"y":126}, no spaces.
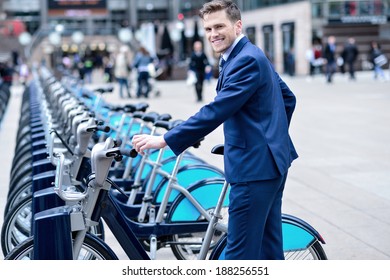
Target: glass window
{"x":366,"y":8}
{"x":251,"y":34}
{"x":288,"y":33}
{"x":335,"y":9}
{"x":379,"y":7}
{"x":350,"y":8}
{"x":386,"y":7}
{"x":317,"y":10}
{"x":268,"y":34}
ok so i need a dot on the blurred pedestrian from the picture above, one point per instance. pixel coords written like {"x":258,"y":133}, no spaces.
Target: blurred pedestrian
{"x":314,"y":56}
{"x":108,"y":65}
{"x":329,"y":55}
{"x":81,"y":70}
{"x":198,"y":64}
{"x":378,"y":60}
{"x":122,"y":71}
{"x":7,"y":73}
{"x":290,"y":62}
{"x":350,"y":55}
{"x":88,"y":68}
{"x":143,"y":61}
{"x":24,"y":73}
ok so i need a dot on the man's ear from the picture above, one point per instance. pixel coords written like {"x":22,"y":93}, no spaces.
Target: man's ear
{"x":238,"y":27}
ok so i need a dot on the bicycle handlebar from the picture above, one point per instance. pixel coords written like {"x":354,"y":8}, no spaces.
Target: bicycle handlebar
{"x":104,"y":128}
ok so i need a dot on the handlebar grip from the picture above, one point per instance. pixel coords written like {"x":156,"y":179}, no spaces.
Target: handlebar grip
{"x":122,"y":152}
{"x":133,"y":153}
{"x":104,"y":128}
{"x":128,"y":152}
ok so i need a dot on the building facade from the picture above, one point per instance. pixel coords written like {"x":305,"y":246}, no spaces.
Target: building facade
{"x":284,"y":29}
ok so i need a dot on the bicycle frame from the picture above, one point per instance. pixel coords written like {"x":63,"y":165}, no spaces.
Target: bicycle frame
{"x":100,"y":204}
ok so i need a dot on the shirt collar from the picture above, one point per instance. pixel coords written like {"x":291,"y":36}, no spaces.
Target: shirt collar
{"x":226,"y":54}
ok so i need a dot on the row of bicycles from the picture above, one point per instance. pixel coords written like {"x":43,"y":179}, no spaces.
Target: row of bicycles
{"x":75,"y":174}
{"x":5,"y":94}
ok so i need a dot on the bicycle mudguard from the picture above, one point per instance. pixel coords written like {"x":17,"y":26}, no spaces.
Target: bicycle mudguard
{"x":297,"y":235}
{"x":167,"y":166}
{"x":189,"y":174}
{"x":205,"y":192}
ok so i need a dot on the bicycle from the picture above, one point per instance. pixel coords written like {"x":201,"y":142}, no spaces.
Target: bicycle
{"x":112,"y":213}
{"x":86,"y":246}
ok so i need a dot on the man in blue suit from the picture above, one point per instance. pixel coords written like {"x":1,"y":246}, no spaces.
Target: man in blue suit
{"x":255,"y":107}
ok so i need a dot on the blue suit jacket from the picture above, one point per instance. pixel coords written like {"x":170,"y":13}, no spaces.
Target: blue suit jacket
{"x":256,"y":107}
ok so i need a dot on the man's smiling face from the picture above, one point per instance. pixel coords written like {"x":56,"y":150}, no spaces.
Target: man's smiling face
{"x":220,"y":31}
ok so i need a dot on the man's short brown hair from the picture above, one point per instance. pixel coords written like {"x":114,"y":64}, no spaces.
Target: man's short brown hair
{"x":232,"y":11}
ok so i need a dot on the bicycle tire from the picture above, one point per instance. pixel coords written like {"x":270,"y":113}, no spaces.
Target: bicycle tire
{"x":92,"y":249}
{"x":17,"y":226}
{"x":314,"y":251}
{"x":187,"y":246}
{"x":16,"y":195}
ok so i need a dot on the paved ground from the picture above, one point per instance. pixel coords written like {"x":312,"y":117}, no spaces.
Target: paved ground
{"x":341,"y":182}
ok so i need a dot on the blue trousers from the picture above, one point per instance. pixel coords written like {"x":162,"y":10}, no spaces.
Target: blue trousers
{"x":255,"y":223}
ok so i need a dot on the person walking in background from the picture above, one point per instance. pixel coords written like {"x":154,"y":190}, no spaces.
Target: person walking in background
{"x":6,"y":73}
{"x":378,"y":60}
{"x":122,"y":71}
{"x":24,"y":73}
{"x":350,"y":55}
{"x":315,"y":59}
{"x":290,"y":62}
{"x":142,"y":62}
{"x":255,"y":107}
{"x":88,"y":68}
{"x":108,"y":65}
{"x":329,"y":55}
{"x":198,"y":64}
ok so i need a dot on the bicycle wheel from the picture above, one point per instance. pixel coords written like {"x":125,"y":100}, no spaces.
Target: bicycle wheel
{"x":17,"y":225}
{"x":313,"y":251}
{"x":92,"y":249}
{"x":186,"y":246}
{"x":17,"y":195}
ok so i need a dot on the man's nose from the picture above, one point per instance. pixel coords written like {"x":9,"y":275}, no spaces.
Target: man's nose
{"x":214,"y":33}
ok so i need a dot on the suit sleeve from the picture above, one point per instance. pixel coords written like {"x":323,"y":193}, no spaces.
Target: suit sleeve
{"x":240,"y":84}
{"x":288,"y":98}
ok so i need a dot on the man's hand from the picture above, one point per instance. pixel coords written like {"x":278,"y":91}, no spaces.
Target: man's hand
{"x":142,"y":142}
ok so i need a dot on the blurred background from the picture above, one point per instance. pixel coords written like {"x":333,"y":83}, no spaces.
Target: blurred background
{"x":340,"y":185}
{"x":89,"y":33}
